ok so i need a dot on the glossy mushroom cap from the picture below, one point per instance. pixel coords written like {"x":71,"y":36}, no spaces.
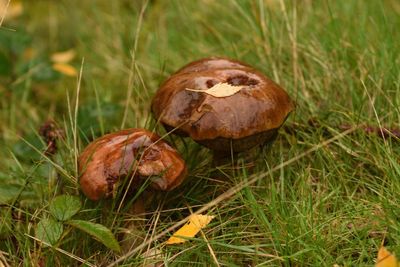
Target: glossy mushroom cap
{"x":135,"y":153}
{"x":247,"y":118}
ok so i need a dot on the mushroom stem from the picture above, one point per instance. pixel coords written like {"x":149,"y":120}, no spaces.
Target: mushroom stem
{"x":231,"y":157}
{"x":222,"y":158}
{"x":133,"y":235}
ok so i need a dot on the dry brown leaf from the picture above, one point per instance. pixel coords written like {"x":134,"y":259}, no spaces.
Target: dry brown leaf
{"x":190,"y":229}
{"x":220,"y":90}
{"x":65,"y":69}
{"x":10,"y":9}
{"x":386,"y":259}
{"x":64,"y":56}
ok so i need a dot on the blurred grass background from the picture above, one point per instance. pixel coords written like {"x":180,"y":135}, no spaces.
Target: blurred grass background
{"x":339,"y":60}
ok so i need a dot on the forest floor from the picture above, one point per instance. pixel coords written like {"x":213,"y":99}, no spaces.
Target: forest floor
{"x":318,"y":197}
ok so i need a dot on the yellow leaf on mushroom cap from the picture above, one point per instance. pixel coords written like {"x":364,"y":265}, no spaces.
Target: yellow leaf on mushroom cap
{"x":190,"y":229}
{"x":386,"y":259}
{"x":220,"y":90}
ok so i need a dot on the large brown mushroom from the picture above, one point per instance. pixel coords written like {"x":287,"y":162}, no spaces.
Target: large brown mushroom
{"x":237,"y":122}
{"x":131,"y":153}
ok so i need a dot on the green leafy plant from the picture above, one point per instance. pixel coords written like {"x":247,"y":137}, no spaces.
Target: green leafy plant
{"x":49,"y":230}
{"x":98,"y":232}
{"x":62,"y":209}
{"x":340,"y":61}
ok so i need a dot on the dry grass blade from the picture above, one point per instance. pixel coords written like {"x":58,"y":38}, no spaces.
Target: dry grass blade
{"x":212,"y":253}
{"x":63,"y":252}
{"x":58,"y":167}
{"x":132,"y":69}
{"x":75,"y":123}
{"x":4,"y":12}
{"x":228,"y":194}
{"x":3,"y":260}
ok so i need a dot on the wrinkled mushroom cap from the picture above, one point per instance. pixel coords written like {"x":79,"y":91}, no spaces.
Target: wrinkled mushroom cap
{"x":135,"y":153}
{"x":250,"y":117}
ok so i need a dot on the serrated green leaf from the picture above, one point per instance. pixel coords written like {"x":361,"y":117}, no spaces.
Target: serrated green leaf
{"x":49,"y":230}
{"x":98,"y":232}
{"x":64,"y":207}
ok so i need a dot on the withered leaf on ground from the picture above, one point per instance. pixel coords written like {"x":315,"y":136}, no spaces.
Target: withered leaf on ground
{"x":63,"y":56}
{"x":190,"y":229}
{"x":65,"y":69}
{"x":386,"y":259}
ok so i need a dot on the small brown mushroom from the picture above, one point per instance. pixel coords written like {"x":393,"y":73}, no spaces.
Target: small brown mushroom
{"x":240,"y":121}
{"x":135,"y":153}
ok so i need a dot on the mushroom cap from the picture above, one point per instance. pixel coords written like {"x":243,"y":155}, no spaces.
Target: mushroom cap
{"x":247,"y":118}
{"x":130,"y":153}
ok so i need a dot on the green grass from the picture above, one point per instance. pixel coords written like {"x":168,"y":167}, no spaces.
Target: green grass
{"x":340,"y":62}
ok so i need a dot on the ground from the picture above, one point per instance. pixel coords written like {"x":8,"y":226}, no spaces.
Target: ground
{"x":340,"y":62}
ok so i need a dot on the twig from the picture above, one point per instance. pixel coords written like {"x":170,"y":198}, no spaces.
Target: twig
{"x":380,"y":131}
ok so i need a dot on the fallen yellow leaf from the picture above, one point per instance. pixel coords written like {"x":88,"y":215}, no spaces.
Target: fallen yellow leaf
{"x":64,"y":56}
{"x":190,"y":229}
{"x":65,"y":69}
{"x":220,"y":90}
{"x":10,"y":9}
{"x":386,"y":259}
